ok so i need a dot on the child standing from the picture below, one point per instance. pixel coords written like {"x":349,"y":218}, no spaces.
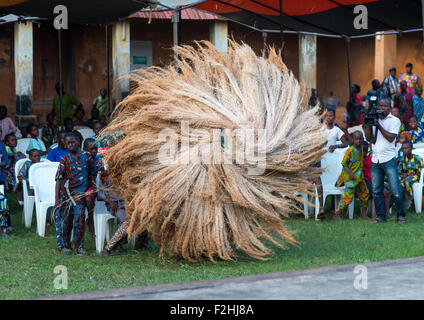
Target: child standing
{"x":410,"y":166}
{"x":73,"y":174}
{"x":352,"y":176}
{"x":367,"y":176}
{"x":90,"y":146}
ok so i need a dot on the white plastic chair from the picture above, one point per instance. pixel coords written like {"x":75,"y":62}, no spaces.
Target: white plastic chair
{"x":22,"y":145}
{"x":332,"y":162}
{"x":102,"y":225}
{"x":42,"y":180}
{"x":28,"y":200}
{"x":419,"y":145}
{"x":417,"y":187}
{"x":86,"y":132}
{"x":306,"y":208}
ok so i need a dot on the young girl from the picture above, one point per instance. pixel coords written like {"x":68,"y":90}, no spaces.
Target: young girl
{"x":14,"y":156}
{"x":36,"y":143}
{"x":352,"y":177}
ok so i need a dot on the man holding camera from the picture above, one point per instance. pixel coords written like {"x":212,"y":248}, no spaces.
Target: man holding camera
{"x":383,"y":163}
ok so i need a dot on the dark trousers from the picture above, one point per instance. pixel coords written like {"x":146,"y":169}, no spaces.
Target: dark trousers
{"x":378,"y":172}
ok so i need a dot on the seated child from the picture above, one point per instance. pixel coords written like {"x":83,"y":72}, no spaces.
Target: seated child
{"x":403,"y":136}
{"x":56,"y":154}
{"x":4,"y":217}
{"x":73,"y":174}
{"x":23,"y":175}
{"x":410,"y":166}
{"x":14,"y":156}
{"x":36,"y":143}
{"x":5,"y":222}
{"x":352,"y":176}
{"x":416,"y":130}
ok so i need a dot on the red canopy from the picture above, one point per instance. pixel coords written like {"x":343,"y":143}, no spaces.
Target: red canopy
{"x":330,"y":17}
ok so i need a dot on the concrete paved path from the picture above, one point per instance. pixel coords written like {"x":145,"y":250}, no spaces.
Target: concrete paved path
{"x":395,"y":279}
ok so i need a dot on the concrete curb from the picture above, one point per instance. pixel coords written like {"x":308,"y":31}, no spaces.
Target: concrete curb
{"x":115,"y":293}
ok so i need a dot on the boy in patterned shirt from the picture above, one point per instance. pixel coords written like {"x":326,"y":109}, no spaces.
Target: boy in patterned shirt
{"x":410,"y":166}
{"x":72,"y":181}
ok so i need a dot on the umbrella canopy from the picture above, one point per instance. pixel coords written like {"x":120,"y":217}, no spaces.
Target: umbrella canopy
{"x":79,"y":11}
{"x":327,"y":17}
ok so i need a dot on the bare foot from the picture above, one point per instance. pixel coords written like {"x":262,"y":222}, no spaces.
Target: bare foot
{"x":365,"y":218}
{"x":337,"y":217}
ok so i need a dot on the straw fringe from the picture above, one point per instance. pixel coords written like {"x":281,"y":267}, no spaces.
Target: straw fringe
{"x":199,"y":210}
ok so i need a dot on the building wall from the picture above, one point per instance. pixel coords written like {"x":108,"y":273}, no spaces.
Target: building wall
{"x":332,"y":72}
{"x":410,"y":49}
{"x":84,"y":58}
{"x":7,"y":73}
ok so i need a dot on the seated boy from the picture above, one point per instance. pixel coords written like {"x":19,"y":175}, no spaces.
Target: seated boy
{"x":416,"y":130}
{"x":23,"y":175}
{"x":73,"y":174}
{"x":410,"y":166}
{"x":352,"y":176}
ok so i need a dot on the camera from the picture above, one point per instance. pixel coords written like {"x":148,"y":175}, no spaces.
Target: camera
{"x":372,"y":116}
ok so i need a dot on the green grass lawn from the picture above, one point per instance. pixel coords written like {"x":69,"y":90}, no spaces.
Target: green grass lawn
{"x":27,"y":260}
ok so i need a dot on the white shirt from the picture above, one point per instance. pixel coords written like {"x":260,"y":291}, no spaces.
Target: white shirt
{"x":383,"y":150}
{"x":333,"y":135}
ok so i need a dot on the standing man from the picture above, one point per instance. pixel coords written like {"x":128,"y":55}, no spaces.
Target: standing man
{"x":68,"y":103}
{"x":392,"y":82}
{"x":383,"y":162}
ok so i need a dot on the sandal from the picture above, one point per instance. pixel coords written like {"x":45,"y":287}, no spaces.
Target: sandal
{"x":65,"y":251}
{"x":82,"y":252}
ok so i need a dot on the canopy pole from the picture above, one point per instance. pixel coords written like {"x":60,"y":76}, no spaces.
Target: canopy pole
{"x":264,"y":36}
{"x":281,"y":30}
{"x":59,"y":34}
{"x":175,"y":20}
{"x":108,"y":69}
{"x":348,"y":63}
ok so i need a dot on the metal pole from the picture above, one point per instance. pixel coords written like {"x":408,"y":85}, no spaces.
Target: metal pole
{"x":281,"y":30}
{"x":59,"y":33}
{"x":108,"y":70}
{"x":175,"y":20}
{"x":264,"y":36}
{"x":348,"y":64}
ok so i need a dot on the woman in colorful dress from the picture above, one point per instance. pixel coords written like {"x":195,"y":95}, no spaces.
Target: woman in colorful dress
{"x":411,"y":79}
{"x":403,"y":101}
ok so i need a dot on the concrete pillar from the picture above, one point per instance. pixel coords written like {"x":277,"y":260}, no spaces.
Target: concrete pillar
{"x":384,"y":55}
{"x":23,"y":69}
{"x":219,"y":35}
{"x":308,"y":63}
{"x":121,"y":60}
